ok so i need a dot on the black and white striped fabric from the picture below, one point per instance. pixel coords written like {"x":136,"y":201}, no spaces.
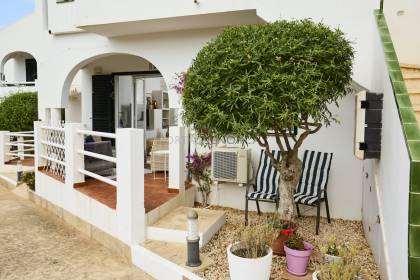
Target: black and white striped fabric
{"x":267,"y":179}
{"x":314,"y":177}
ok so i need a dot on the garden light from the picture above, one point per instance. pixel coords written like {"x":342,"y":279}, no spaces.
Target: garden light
{"x":193,"y":240}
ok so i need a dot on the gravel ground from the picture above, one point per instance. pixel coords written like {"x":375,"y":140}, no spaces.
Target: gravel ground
{"x":346,"y":231}
{"x":35,"y":246}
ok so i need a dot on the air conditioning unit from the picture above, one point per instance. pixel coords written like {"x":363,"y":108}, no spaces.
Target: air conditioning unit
{"x":230,"y":164}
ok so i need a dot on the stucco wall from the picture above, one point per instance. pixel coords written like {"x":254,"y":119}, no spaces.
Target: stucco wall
{"x":60,"y":57}
{"x":403,"y":18}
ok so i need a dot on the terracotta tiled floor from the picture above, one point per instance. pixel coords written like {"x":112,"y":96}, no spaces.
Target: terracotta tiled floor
{"x":155,"y":192}
{"x":25,"y":162}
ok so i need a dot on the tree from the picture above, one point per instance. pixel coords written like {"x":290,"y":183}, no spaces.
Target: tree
{"x":266,"y":80}
{"x":19,"y":111}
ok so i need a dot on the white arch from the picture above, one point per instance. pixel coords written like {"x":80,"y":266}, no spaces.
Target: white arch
{"x":9,"y":56}
{"x":84,"y":62}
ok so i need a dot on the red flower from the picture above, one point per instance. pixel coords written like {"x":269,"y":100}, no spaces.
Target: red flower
{"x":286,"y":232}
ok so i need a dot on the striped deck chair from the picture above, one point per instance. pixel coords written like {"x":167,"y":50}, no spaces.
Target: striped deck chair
{"x":312,"y":187}
{"x":266,"y":187}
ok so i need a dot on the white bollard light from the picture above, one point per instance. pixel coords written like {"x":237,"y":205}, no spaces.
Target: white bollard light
{"x":19,"y":171}
{"x":193,"y":240}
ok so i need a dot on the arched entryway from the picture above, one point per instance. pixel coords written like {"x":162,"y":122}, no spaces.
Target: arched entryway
{"x":112,"y":91}
{"x":18,"y":68}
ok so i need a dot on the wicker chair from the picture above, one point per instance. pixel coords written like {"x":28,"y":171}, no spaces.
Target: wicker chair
{"x":159,"y":159}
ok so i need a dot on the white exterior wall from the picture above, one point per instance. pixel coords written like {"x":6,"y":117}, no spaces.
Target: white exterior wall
{"x":60,"y":57}
{"x":390,"y":184}
{"x":345,"y":181}
{"x":403,"y":19}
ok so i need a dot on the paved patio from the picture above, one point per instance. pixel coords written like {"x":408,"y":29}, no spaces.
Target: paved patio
{"x":35,"y":246}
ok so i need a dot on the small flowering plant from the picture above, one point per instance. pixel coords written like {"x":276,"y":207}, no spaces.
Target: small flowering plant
{"x":199,"y":166}
{"x":284,"y":227}
{"x":179,"y":84}
{"x":333,"y":248}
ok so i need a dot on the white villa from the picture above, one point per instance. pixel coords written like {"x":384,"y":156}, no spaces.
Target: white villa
{"x":103,"y":70}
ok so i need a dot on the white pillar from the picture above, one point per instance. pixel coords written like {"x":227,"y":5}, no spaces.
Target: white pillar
{"x":4,"y":148}
{"x":86,"y":99}
{"x":37,"y":143}
{"x":177,"y":156}
{"x":74,"y":142}
{"x":56,"y":116}
{"x":131,"y":214}
{"x":19,"y":69}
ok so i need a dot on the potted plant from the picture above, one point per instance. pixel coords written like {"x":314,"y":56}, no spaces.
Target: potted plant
{"x":199,"y":167}
{"x":298,"y":253}
{"x":29,"y":179}
{"x":251,"y":257}
{"x":245,"y":94}
{"x":284,"y":229}
{"x":344,"y":269}
{"x":332,"y":250}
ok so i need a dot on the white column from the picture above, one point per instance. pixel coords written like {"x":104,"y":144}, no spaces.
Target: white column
{"x":4,"y":148}
{"x":131,"y":214}
{"x":74,"y":142}
{"x":37,"y":143}
{"x":86,"y":99}
{"x":56,"y":116}
{"x":20,"y":147}
{"x":177,"y":156}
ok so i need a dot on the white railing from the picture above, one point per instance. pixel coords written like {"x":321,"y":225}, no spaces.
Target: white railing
{"x":52,"y":150}
{"x":20,"y":145}
{"x":97,"y":156}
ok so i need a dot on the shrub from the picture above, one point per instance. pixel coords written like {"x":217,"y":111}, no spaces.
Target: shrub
{"x":253,"y":81}
{"x":346,"y":269}
{"x":29,"y":179}
{"x":19,"y":111}
{"x":332,"y":247}
{"x":254,"y":241}
{"x":295,"y":242}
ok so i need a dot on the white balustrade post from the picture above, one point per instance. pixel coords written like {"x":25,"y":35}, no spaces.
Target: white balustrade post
{"x":4,"y":147}
{"x":37,"y":143}
{"x":131,"y":214}
{"x":74,"y":142}
{"x":20,"y":147}
{"x":177,"y":156}
{"x":56,"y":116}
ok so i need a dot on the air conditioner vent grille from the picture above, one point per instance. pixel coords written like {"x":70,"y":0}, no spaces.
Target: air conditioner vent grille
{"x":225,"y":165}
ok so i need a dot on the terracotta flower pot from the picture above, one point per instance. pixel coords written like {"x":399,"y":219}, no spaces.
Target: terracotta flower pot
{"x":297,"y":261}
{"x":278,"y":245}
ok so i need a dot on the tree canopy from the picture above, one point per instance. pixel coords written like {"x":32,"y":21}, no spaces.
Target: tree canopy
{"x":19,"y":111}
{"x":273,"y":76}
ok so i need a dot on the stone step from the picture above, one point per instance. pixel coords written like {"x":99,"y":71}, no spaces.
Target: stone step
{"x":412,"y":83}
{"x":415,"y":99}
{"x":166,"y":260}
{"x":409,"y":66}
{"x":413,"y":91}
{"x":411,"y":75}
{"x":406,"y":71}
{"x":173,"y":227}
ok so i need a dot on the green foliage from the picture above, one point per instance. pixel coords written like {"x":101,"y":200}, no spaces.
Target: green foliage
{"x":18,"y":111}
{"x":331,"y":247}
{"x":254,"y":240}
{"x":29,"y":179}
{"x":295,"y":242}
{"x":346,"y":269}
{"x":254,"y":78}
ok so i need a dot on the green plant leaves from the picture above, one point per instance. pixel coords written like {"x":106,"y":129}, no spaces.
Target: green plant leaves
{"x":19,"y":111}
{"x":251,"y":78}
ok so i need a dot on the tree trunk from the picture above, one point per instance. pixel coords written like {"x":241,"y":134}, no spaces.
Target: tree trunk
{"x":290,"y":169}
